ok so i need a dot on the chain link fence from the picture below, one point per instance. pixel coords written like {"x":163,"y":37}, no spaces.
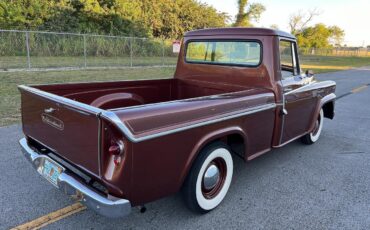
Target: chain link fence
{"x":28,"y":50}
{"x":34,"y":50}
{"x":336,"y":52}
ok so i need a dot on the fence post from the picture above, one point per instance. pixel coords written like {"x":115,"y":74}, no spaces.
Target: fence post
{"x":85,"y":58}
{"x":28,"y":50}
{"x":131,"y":44}
{"x":162,"y":52}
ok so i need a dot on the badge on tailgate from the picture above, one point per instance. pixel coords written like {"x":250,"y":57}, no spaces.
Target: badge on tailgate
{"x":52,"y":121}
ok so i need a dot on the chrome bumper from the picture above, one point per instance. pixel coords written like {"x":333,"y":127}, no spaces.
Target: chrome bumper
{"x":76,"y":189}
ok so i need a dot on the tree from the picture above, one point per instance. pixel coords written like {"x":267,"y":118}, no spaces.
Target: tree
{"x":23,"y":14}
{"x":319,"y":36}
{"x":274,"y":26}
{"x":144,"y":18}
{"x":336,"y":35}
{"x":171,"y":19}
{"x":113,"y":17}
{"x":299,"y":20}
{"x":247,"y":13}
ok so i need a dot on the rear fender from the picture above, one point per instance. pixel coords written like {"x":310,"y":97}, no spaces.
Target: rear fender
{"x":207,"y":139}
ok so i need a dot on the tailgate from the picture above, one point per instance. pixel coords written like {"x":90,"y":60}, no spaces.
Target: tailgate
{"x":69,"y":128}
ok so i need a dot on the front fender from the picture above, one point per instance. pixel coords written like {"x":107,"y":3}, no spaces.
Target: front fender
{"x":330,"y":98}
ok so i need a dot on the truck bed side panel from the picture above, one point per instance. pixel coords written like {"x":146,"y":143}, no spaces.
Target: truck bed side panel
{"x":162,"y":170}
{"x":179,"y":128}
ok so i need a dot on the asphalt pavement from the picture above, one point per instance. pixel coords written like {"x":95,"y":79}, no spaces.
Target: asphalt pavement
{"x":322,"y":186}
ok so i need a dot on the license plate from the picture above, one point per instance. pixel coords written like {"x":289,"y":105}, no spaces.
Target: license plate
{"x":51,"y":172}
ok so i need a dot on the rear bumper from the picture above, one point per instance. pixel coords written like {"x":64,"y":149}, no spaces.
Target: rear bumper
{"x":74,"y":188}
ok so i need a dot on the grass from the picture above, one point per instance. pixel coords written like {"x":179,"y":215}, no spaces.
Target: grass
{"x":16,"y":62}
{"x":10,"y":98}
{"x":317,"y":63}
{"x":322,"y":64}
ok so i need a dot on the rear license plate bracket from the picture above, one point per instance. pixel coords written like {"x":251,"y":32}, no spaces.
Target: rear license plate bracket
{"x":51,"y":171}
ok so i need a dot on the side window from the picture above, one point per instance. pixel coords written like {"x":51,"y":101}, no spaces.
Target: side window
{"x":288,"y":59}
{"x":245,"y":53}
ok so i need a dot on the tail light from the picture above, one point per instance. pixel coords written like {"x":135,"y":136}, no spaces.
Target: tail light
{"x":115,"y":159}
{"x":116,"y":150}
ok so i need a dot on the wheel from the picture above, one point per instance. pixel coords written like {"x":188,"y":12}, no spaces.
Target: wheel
{"x":209,"y":178}
{"x":312,"y":137}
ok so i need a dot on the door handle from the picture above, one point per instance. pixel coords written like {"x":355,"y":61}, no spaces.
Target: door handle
{"x":283,"y":112}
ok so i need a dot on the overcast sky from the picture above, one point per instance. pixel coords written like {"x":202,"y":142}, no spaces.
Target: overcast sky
{"x":352,"y":16}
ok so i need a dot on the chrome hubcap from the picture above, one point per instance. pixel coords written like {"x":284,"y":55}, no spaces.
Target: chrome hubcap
{"x":211,"y":177}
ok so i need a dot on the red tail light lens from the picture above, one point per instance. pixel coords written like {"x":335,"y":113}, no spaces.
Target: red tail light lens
{"x":116,"y":149}
{"x":113,"y":150}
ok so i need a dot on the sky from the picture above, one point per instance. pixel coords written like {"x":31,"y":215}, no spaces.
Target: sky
{"x":352,"y":16}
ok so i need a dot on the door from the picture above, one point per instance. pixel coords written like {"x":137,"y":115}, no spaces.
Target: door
{"x":299,"y":102}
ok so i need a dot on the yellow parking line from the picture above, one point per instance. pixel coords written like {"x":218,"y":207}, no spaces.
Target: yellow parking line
{"x":51,"y":217}
{"x":326,"y":67}
{"x":359,"y":89}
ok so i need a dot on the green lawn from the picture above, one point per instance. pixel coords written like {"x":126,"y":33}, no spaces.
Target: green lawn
{"x":317,"y":63}
{"x":321,"y":64}
{"x":14,"y":62}
{"x":10,"y":98}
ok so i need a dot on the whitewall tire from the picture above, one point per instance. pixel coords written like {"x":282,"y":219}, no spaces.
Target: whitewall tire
{"x":314,"y":136}
{"x":209,"y":179}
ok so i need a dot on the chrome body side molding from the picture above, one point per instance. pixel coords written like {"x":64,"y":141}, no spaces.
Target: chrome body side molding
{"x":311,"y":85}
{"x":117,"y":121}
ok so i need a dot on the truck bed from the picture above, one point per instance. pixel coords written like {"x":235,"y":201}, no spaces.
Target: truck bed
{"x":70,"y":119}
{"x":113,"y":95}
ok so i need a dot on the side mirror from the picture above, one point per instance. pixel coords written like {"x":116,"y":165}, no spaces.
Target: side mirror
{"x":309,"y":73}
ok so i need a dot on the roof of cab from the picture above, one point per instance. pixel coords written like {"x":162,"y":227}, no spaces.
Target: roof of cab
{"x":239,"y":31}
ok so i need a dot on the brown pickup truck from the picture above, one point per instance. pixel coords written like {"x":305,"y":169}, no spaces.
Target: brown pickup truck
{"x":116,"y":145}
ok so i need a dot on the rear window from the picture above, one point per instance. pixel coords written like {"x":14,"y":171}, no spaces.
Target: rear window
{"x":245,"y":53}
